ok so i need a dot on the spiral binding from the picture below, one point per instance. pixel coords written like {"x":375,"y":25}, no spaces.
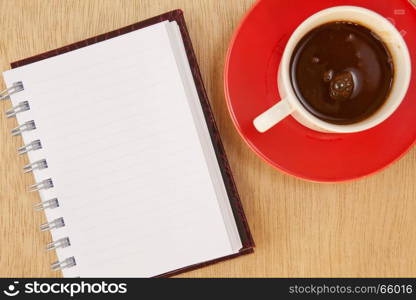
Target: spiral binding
{"x":21,"y":107}
{"x":67,"y":263}
{"x":32,"y":146}
{"x":61,"y":243}
{"x":27,"y":126}
{"x":43,"y":185}
{"x":48,"y":204}
{"x":55,"y":224}
{"x":15,"y":88}
{"x":38,"y":165}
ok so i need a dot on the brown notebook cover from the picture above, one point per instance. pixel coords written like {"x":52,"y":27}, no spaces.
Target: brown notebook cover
{"x":177,"y":15}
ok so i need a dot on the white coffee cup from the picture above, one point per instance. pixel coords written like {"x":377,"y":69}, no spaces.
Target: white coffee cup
{"x":290,"y":104}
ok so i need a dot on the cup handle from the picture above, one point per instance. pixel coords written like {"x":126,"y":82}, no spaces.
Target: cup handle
{"x":272,"y":116}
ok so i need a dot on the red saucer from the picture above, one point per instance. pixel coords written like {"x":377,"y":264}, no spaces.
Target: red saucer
{"x":250,"y":87}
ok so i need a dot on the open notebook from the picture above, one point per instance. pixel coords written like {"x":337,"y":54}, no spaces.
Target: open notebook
{"x":126,"y":155}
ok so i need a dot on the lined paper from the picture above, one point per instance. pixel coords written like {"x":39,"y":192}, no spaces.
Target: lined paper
{"x":126,"y":160}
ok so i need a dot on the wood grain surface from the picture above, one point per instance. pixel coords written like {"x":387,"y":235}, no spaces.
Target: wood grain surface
{"x":355,"y":229}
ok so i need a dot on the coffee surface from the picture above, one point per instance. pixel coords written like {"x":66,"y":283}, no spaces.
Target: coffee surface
{"x":341,"y":72}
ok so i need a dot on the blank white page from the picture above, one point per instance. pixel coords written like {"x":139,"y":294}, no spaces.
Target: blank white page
{"x":125,"y":158}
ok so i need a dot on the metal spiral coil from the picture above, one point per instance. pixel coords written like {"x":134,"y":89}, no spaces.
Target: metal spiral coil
{"x":38,"y":165}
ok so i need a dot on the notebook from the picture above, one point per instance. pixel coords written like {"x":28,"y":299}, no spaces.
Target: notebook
{"x":126,"y":156}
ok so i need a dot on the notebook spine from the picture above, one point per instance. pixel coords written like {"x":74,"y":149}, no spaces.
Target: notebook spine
{"x":36,"y":166}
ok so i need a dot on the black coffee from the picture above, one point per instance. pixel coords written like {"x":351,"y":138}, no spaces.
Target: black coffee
{"x":342,"y":72}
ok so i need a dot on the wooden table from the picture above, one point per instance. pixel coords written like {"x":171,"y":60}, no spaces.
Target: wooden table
{"x":362,"y":228}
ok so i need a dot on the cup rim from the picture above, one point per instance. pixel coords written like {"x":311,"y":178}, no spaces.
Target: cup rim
{"x":304,"y":28}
